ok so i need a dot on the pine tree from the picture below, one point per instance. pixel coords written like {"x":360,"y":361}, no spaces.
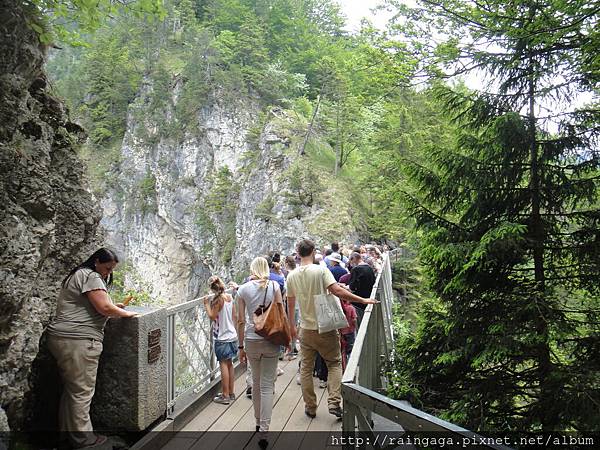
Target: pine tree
{"x":510,"y":220}
{"x":112,"y":80}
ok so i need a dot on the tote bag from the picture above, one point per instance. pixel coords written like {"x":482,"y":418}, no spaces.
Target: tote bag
{"x":270,"y":322}
{"x":330,"y":315}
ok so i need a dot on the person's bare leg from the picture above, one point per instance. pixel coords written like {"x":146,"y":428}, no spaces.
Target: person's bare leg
{"x":231,"y":377}
{"x":224,"y":378}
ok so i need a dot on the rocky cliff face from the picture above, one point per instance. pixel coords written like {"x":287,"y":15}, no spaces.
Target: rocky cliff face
{"x":48,"y":220}
{"x":210,"y":201}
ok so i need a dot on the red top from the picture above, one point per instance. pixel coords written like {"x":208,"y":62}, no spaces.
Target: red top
{"x":350,"y":313}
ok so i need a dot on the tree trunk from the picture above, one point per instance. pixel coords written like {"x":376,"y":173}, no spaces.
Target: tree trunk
{"x":310,"y":127}
{"x":338,"y":142}
{"x":547,"y":416}
{"x":534,"y":186}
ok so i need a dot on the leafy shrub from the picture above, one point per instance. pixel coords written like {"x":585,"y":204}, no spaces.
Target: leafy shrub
{"x":216,"y":214}
{"x":305,"y":186}
{"x":264,"y":210}
{"x":147,"y":194}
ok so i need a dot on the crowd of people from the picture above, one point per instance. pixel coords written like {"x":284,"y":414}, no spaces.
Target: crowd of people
{"x":84,"y":306}
{"x":347,"y":273}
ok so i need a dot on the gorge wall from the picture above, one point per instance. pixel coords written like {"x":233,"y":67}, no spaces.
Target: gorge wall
{"x":48,"y":218}
{"x":177,"y":207}
{"x":208,"y":202}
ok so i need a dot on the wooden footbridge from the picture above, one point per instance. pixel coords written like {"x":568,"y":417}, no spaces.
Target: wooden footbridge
{"x":195,"y":422}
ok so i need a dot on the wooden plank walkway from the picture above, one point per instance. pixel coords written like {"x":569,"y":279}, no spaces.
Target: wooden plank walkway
{"x":212,"y":428}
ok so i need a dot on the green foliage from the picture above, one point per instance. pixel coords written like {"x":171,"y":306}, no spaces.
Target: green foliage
{"x":67,"y":20}
{"x":407,"y":279}
{"x":504,"y":221}
{"x":216,"y":214}
{"x":279,"y":87}
{"x":159,"y":98}
{"x":474,"y":366}
{"x":128,"y":283}
{"x":100,"y":169}
{"x":264,"y":210}
{"x":304,"y":186}
{"x":220,"y":50}
{"x":112,"y":82}
{"x":408,"y":314}
{"x":255,"y":131}
{"x":303,"y":107}
{"x":412,"y":123}
{"x":146,"y":194}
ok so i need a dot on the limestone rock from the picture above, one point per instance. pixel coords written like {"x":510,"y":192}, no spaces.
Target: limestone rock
{"x":48,"y":219}
{"x":3,"y":422}
{"x":169,"y":248}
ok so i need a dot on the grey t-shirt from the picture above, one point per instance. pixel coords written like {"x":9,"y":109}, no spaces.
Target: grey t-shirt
{"x":76,"y":317}
{"x":253,"y":295}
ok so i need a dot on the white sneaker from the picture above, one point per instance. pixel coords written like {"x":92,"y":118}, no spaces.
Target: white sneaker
{"x":298,"y":382}
{"x":280,"y":371}
{"x":222,"y":400}
{"x":322,"y":384}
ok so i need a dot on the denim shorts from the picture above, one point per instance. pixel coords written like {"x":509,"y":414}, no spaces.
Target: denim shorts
{"x":225,"y":350}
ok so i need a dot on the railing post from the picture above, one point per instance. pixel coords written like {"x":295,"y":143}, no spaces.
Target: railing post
{"x":170,"y":363}
{"x":389,"y":301}
{"x":373,"y":347}
{"x":381,"y":346}
{"x":348,"y":424}
{"x":348,"y":418}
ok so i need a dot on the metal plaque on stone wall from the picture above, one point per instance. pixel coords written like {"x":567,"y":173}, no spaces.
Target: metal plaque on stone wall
{"x":154,"y":345}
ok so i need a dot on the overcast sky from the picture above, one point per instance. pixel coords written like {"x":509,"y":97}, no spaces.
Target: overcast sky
{"x":355,"y":10}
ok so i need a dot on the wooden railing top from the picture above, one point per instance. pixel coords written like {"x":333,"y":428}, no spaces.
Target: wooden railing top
{"x":349,"y":375}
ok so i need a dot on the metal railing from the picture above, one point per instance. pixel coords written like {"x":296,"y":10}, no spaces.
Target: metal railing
{"x":363,"y":380}
{"x":191,"y":362}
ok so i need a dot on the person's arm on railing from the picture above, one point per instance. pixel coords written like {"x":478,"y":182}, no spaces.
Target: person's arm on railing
{"x":344,"y":294}
{"x":102,"y":303}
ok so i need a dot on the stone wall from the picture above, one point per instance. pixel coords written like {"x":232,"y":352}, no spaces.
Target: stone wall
{"x":131,"y":388}
{"x":48,"y":218}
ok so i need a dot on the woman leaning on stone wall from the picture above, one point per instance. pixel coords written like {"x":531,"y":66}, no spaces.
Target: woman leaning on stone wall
{"x":75,"y":340}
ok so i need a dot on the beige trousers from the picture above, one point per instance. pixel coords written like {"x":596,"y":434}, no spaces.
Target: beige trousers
{"x":263,"y":357}
{"x":77,"y":361}
{"x":328,"y":346}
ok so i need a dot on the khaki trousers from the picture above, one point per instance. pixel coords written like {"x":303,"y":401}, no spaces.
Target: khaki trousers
{"x":328,"y":346}
{"x":77,"y":361}
{"x":263,"y":357}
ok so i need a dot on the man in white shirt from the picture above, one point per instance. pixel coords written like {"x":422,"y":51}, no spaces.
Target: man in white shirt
{"x":303,"y":283}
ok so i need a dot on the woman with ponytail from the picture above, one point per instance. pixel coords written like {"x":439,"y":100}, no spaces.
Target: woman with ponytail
{"x":261,"y":354}
{"x":221,"y":310}
{"x":75,"y":340}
